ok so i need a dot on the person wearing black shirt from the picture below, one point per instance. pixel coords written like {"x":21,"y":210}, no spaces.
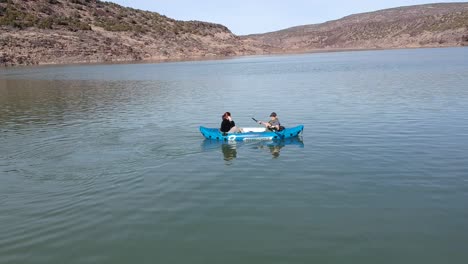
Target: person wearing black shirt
{"x":228,"y":125}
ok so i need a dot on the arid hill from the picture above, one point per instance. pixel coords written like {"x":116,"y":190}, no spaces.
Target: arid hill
{"x":81,"y":31}
{"x":85,"y":31}
{"x":432,"y":25}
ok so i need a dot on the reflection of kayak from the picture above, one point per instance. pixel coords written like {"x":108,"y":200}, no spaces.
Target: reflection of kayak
{"x":251,"y":134}
{"x":209,"y":145}
{"x":294,"y":141}
{"x":230,"y":148}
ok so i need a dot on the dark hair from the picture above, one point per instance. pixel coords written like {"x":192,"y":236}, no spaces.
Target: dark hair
{"x":273,"y":114}
{"x":226,"y":114}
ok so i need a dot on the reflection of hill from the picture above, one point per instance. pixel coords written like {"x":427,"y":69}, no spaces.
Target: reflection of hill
{"x":58,"y":101}
{"x":230,"y":149}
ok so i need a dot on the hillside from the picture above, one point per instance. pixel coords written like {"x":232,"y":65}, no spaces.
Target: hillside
{"x":432,"y":25}
{"x":75,"y":31}
{"x":85,"y":31}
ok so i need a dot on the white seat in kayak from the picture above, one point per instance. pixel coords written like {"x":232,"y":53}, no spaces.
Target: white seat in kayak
{"x":253,"y":129}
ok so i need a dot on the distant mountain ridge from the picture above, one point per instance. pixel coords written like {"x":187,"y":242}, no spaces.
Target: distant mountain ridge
{"x":431,"y":25}
{"x":85,"y":31}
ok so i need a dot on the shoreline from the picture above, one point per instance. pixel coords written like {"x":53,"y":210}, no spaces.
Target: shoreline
{"x":216,"y":58}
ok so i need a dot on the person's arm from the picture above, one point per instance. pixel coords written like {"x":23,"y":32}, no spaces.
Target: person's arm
{"x":266,"y":124}
{"x":269,"y":125}
{"x":233,"y":124}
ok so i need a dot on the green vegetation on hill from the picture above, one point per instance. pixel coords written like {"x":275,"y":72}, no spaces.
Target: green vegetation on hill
{"x":17,"y":16}
{"x":77,"y":15}
{"x":68,"y":31}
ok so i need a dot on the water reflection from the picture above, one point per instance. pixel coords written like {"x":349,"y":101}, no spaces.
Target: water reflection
{"x":230,"y":149}
{"x":51,"y":102}
{"x":274,"y":149}
{"x":275,"y":146}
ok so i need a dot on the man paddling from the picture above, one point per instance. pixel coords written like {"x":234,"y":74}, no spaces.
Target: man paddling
{"x":273,"y":124}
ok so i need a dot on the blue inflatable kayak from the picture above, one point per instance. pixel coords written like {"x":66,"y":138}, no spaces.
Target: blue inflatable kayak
{"x":252,"y":133}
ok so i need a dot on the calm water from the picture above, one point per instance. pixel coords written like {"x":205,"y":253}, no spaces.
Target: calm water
{"x":105,"y":164}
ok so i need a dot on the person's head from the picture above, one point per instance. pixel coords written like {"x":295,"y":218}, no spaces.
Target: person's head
{"x":273,"y":115}
{"x":226,"y":115}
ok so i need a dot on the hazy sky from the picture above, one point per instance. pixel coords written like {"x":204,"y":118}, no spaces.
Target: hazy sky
{"x":260,"y":16}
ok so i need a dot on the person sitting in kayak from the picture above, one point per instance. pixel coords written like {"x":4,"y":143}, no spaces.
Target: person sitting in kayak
{"x":274,"y":123}
{"x":228,"y":125}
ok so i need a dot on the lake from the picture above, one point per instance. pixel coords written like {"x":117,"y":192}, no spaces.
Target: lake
{"x":105,"y":163}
